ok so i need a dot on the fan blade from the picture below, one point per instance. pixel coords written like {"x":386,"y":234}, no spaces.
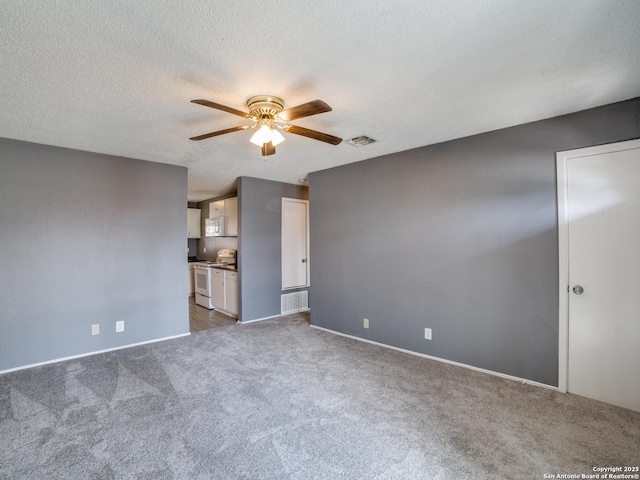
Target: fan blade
{"x":220,"y":132}
{"x":305,"y":110}
{"x":305,"y":132}
{"x":268,"y":149}
{"x":207,"y":103}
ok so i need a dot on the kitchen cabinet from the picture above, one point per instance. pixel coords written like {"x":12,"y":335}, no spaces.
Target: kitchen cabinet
{"x":191,"y":279}
{"x":231,"y":217}
{"x":217,"y":288}
{"x":231,"y":293}
{"x":216,"y":209}
{"x":193,"y":223}
{"x":227,"y":209}
{"x":224,"y":291}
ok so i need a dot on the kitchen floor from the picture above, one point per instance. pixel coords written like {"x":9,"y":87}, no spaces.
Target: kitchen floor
{"x":201,"y":318}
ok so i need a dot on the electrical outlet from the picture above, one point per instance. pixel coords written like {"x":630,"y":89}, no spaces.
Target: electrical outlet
{"x":205,"y":249}
{"x":120,"y":326}
{"x":95,"y":329}
{"x":427,"y":334}
{"x":365,"y":322}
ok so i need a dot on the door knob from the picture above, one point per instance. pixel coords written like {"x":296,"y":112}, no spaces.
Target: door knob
{"x":578,"y":290}
{"x":304,"y":260}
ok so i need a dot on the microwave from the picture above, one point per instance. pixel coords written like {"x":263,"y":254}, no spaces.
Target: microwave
{"x":214,"y":227}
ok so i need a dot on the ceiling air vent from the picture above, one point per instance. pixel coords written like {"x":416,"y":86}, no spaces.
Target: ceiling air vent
{"x":360,"y":141}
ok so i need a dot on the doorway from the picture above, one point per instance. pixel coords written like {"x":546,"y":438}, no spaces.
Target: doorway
{"x":599,"y":235}
{"x":295,"y":243}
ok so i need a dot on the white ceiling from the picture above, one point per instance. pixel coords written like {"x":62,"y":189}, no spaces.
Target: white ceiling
{"x":117,"y":76}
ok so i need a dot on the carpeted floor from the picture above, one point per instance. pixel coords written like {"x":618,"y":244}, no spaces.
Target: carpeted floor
{"x":280,"y":400}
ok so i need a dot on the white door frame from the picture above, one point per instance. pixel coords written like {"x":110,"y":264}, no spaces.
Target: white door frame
{"x":307,"y":254}
{"x":563,"y":247}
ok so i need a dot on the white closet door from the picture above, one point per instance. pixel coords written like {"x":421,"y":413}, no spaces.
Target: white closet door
{"x":295,"y":245}
{"x":603,"y":212}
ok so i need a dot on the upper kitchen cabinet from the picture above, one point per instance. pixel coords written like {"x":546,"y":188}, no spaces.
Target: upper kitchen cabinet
{"x":231,"y":217}
{"x":193,"y":223}
{"x":216,"y":209}
{"x":226,"y":209}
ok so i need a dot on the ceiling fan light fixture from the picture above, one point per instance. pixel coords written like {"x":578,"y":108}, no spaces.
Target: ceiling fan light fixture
{"x":276,"y":137}
{"x":261,"y":136}
{"x":266,"y":134}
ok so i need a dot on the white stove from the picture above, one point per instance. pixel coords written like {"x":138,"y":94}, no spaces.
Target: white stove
{"x":203,"y":277}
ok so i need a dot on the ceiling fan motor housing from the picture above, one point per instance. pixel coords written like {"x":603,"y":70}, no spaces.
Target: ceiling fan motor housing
{"x":262,"y":106}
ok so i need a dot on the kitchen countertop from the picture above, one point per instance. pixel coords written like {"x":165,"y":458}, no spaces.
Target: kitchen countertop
{"x":218,"y":266}
{"x":225,"y":267}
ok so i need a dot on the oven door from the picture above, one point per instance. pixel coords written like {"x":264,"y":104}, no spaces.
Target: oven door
{"x":202,"y":280}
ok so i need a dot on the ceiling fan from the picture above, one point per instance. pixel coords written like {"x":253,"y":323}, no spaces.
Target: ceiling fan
{"x":268,"y":114}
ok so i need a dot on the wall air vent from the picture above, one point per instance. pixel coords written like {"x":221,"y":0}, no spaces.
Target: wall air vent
{"x":294,"y":302}
{"x":360,"y":141}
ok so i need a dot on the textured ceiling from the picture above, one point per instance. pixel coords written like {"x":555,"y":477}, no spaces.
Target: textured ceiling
{"x":117,"y":77}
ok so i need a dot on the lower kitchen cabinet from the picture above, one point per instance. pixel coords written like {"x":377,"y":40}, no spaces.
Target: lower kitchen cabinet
{"x":231,"y":292}
{"x":217,"y":288}
{"x":224,"y":291}
{"x":192,"y":289}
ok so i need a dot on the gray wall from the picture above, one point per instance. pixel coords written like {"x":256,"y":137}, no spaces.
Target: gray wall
{"x":460,"y":237}
{"x":84,"y":239}
{"x":260,"y":243}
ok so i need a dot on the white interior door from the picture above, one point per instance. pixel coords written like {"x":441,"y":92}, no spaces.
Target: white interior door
{"x":601,"y":203}
{"x":295,"y":244}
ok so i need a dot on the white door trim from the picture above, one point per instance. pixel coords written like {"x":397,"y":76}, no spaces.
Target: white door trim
{"x":307,"y":253}
{"x":563,"y":247}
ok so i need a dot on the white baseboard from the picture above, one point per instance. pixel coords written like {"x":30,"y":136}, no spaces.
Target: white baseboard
{"x":298,"y":310}
{"x":443,"y":360}
{"x":244,"y":322}
{"x":275,"y":316}
{"x":72,"y":357}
